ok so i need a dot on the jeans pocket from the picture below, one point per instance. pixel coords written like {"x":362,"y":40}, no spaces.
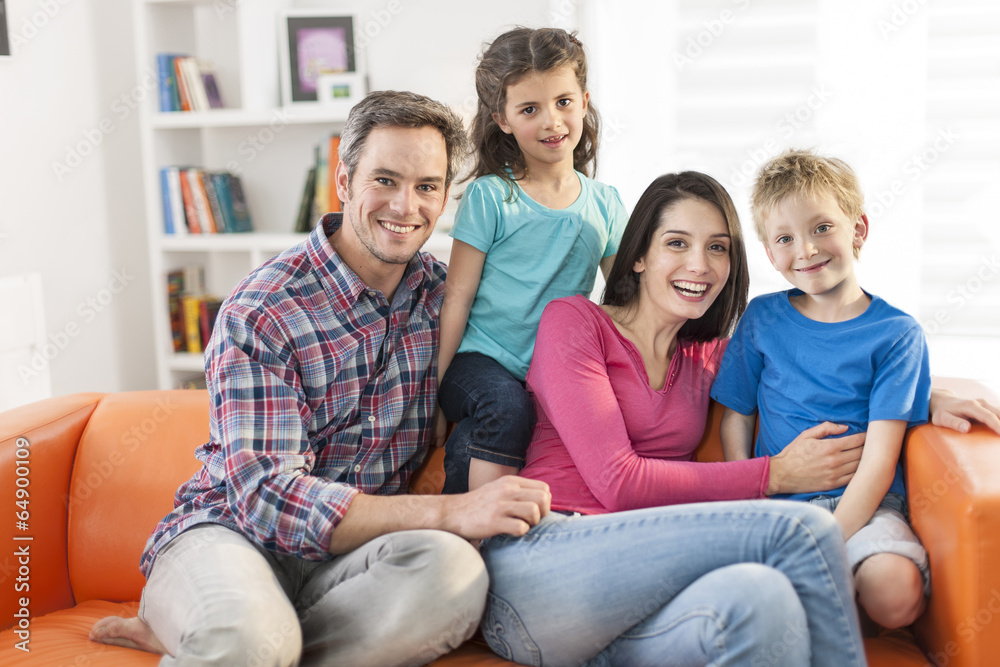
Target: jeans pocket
{"x":506,"y":634}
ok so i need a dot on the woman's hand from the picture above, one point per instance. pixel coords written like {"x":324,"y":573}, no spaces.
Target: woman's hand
{"x":814,"y":461}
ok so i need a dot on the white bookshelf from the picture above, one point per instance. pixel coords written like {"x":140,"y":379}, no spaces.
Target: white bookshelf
{"x":270,"y":147}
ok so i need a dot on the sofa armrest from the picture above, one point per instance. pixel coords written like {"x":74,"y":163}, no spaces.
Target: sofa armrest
{"x":953,"y":483}
{"x":52,"y":429}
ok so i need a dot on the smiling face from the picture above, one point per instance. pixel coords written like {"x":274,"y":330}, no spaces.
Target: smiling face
{"x":544,"y":112}
{"x":687,"y":263}
{"x":392,"y":202}
{"x":811,"y":241}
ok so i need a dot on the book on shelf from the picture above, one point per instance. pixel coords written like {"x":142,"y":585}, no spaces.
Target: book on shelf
{"x":175,"y":288}
{"x":186,"y":83}
{"x":174,"y":217}
{"x":197,"y":201}
{"x":182,"y":283}
{"x":203,"y":210}
{"x":193,"y":382}
{"x":303,"y":223}
{"x":169,"y":95}
{"x":319,"y":194}
{"x":238,"y":204}
{"x":192,"y":311}
{"x":187,"y":196}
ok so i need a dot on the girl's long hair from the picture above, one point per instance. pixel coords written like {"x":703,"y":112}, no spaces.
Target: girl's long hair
{"x":512,"y":56}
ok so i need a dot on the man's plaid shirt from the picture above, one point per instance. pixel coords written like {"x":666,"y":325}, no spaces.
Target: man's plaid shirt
{"x":319,"y":389}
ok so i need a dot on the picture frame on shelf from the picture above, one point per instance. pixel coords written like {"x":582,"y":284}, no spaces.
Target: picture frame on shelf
{"x":314,"y":43}
{"x":339,"y":91}
{"x":4,"y":38}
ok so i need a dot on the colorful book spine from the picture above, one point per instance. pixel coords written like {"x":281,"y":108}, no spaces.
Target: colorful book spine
{"x":333,"y":158}
{"x":175,"y":290}
{"x":176,"y":201}
{"x":183,"y":90}
{"x":192,"y":323}
{"x":167,"y":81}
{"x":208,"y":309}
{"x":220,"y":183}
{"x":208,"y":179}
{"x":205,"y":219}
{"x":190,"y":208}
{"x":168,"y":214}
{"x":210,"y":86}
{"x":303,"y":223}
{"x":241,"y":210}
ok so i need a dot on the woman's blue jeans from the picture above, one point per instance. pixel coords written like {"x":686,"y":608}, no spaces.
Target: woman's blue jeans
{"x":758,"y":583}
{"x":492,"y":413}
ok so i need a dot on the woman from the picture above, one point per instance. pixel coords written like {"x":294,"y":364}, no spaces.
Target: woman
{"x":621,"y":572}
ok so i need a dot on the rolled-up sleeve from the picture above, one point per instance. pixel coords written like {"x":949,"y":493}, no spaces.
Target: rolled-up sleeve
{"x":260,"y":419}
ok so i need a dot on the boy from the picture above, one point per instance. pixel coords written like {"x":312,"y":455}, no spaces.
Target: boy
{"x":829,"y":351}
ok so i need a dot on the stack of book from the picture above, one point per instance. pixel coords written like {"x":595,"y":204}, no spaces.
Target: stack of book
{"x":196,"y":201}
{"x":192,"y":311}
{"x":186,"y":84}
{"x":320,"y":193}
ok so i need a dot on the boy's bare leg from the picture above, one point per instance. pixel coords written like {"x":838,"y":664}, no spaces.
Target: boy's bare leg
{"x":127,"y":632}
{"x":890,"y":589}
{"x":483,"y":472}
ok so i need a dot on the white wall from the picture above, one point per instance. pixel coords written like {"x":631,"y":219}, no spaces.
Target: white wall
{"x":58,"y":224}
{"x":72,"y":81}
{"x":71,"y":86}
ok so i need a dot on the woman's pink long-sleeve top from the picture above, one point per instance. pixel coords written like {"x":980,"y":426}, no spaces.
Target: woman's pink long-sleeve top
{"x":605,"y":441}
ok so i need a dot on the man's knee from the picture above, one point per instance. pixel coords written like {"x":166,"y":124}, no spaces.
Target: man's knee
{"x":443,"y":580}
{"x":255,"y":631}
{"x":444,"y":564}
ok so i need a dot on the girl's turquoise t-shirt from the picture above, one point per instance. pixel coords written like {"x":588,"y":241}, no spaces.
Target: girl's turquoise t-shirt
{"x":533,"y":254}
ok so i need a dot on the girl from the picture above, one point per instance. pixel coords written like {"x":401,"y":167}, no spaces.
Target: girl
{"x":532,"y":227}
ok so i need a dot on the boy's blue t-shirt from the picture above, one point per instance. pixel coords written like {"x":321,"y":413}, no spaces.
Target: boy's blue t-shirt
{"x":534,"y":254}
{"x":800,"y":373}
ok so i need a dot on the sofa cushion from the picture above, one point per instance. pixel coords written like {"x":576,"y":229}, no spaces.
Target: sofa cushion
{"x":53,"y":429}
{"x":137,"y":449}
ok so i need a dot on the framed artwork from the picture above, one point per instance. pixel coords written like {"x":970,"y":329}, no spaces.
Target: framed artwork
{"x":4,"y":39}
{"x":314,"y":43}
{"x":341,"y":90}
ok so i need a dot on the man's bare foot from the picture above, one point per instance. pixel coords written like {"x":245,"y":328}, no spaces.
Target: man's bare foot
{"x":127,"y":632}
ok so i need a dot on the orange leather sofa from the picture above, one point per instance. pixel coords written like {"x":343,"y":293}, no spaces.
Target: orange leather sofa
{"x":99,"y":470}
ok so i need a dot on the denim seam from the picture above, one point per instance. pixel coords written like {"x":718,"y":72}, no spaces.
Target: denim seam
{"x":507,"y":459}
{"x":828,"y":578}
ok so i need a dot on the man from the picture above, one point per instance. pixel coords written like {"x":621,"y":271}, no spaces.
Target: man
{"x":296,"y":541}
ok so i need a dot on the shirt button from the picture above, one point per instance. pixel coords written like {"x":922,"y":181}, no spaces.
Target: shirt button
{"x":371,"y":418}
{"x":357,"y":468}
{"x":372,"y":293}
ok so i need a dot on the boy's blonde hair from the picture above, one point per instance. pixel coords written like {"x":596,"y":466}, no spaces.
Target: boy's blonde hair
{"x":802,"y":172}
